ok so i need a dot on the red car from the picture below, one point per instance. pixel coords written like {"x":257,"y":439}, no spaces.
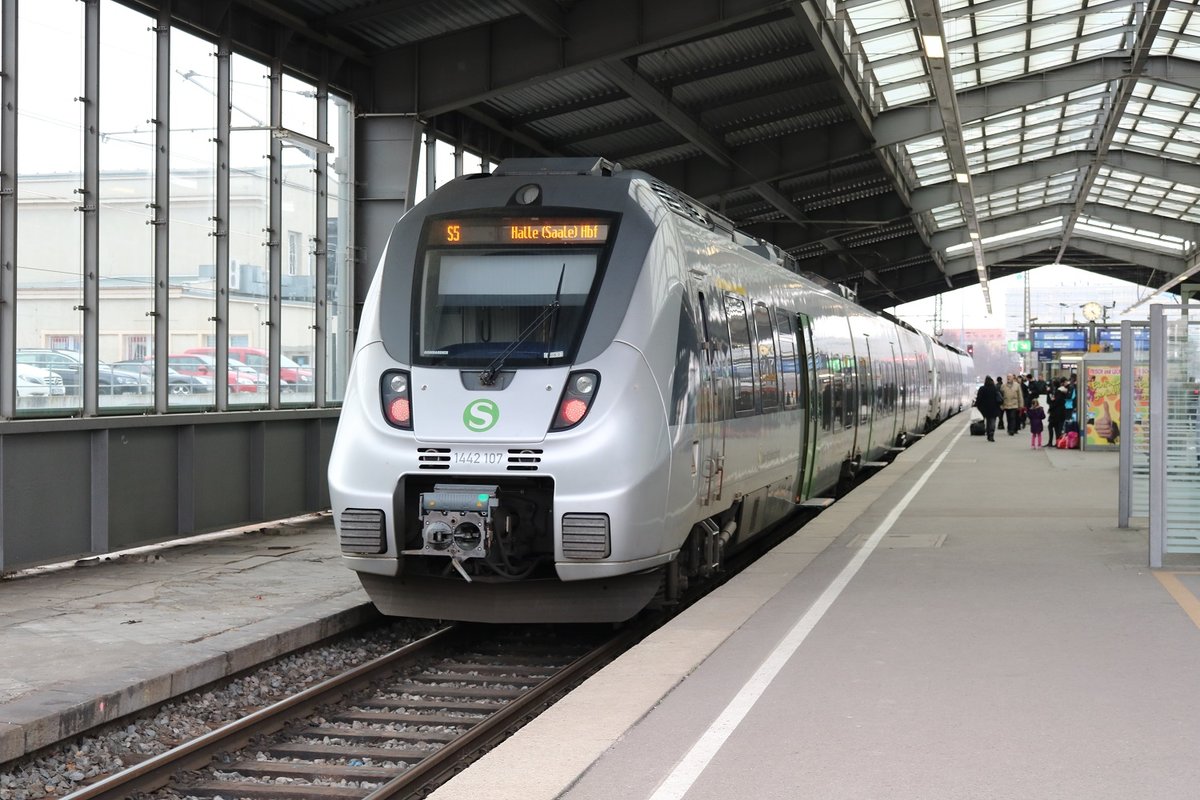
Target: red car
{"x":241,"y":377}
{"x":291,"y":374}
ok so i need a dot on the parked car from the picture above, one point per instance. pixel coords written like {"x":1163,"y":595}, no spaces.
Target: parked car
{"x":38,"y":382}
{"x":292,"y":376}
{"x":69,"y":366}
{"x":241,"y":377}
{"x":179,"y":383}
{"x":30,"y":382}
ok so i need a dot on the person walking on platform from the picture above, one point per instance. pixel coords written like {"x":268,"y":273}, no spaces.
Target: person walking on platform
{"x":1000,"y":399}
{"x":1011,"y":404}
{"x":1026,"y":396}
{"x":987,"y":401}
{"x":1036,"y":414}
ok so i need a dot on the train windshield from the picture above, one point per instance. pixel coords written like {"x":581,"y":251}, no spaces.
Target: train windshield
{"x":478,"y":305}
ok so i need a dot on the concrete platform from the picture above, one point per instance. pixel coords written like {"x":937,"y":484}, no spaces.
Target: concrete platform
{"x":1001,"y":639}
{"x":88,"y":644}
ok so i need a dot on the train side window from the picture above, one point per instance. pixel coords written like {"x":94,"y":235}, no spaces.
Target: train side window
{"x":789,"y":370}
{"x":768,"y":370}
{"x":741,"y":355}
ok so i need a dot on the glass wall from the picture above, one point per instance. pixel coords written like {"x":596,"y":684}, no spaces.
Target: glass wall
{"x":339,"y":300}
{"x":153,"y":251}
{"x":1181,"y":390}
{"x":299,"y":220}
{"x":193,"y":201}
{"x":49,"y":202}
{"x":444,"y":165}
{"x":126,"y":246}
{"x":249,"y":231}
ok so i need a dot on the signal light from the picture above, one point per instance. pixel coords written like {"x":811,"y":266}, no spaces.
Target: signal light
{"x":397,"y":399}
{"x":576,"y":399}
{"x":573,"y":411}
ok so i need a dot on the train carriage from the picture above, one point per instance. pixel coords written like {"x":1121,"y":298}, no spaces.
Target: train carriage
{"x":575,"y":389}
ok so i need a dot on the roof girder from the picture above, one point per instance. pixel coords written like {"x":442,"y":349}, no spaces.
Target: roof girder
{"x":1083,"y":241}
{"x":930,"y":197}
{"x":1020,"y":220}
{"x":918,"y":121}
{"x":1151,"y":22}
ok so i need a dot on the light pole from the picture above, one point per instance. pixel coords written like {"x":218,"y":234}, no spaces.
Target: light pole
{"x":1028,"y":357}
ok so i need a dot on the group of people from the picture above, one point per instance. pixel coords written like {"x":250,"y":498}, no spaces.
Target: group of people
{"x":1014,"y":401}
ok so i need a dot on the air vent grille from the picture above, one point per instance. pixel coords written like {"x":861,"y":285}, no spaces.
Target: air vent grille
{"x":680,"y":204}
{"x":585,"y":536}
{"x":524,"y":460}
{"x":362,"y":530}
{"x":433,"y":457}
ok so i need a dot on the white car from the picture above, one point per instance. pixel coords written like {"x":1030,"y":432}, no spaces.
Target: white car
{"x":37,"y":382}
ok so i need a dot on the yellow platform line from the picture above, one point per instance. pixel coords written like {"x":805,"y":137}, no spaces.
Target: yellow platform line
{"x":1186,"y":600}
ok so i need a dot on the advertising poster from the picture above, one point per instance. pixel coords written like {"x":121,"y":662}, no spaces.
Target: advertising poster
{"x":1103,"y":407}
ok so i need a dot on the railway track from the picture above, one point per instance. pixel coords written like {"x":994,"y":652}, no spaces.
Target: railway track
{"x":404,"y":721}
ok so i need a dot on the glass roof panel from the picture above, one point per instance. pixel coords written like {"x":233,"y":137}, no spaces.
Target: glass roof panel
{"x":993,"y":42}
{"x":895,"y":44}
{"x":1011,"y":43}
{"x":1050,"y":32}
{"x":900,"y":71}
{"x":1052,"y":58}
{"x":991,"y":19}
{"x":872,"y":16}
{"x":1106,"y":19}
{"x":1185,"y":150}
{"x":994,"y":73}
{"x":906,"y":95}
{"x":1049,"y":8}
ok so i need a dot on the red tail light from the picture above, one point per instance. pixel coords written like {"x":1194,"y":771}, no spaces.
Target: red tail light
{"x":397,"y":399}
{"x":576,"y":399}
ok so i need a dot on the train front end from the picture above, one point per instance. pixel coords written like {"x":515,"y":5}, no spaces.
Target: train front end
{"x":500,"y":452}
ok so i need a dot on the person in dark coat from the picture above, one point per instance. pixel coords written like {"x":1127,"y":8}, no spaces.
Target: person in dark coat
{"x":1000,"y":398}
{"x":1056,"y":411}
{"x":1035,"y":414}
{"x":987,"y":400}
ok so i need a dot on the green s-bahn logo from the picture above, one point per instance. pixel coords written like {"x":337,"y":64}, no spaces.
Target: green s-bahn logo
{"x":481,"y":415}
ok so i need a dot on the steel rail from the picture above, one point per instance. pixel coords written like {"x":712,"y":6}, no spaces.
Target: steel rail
{"x":156,"y":771}
{"x":497,"y":726}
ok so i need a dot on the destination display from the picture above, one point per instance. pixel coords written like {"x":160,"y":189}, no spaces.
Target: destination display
{"x":1059,"y":339}
{"x":1111,"y":337}
{"x":525,"y":230}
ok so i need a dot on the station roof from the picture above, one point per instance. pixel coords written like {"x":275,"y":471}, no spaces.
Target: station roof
{"x":901,"y":147}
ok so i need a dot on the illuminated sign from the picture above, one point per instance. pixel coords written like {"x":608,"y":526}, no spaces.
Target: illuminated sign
{"x":1059,"y":339}
{"x":523,"y":230}
{"x":1111,"y":337}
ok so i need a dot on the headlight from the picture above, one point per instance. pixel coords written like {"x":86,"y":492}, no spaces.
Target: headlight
{"x":396,"y":399}
{"x":576,"y":400}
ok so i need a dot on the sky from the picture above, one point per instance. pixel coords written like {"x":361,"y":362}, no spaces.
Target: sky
{"x":965,"y":307}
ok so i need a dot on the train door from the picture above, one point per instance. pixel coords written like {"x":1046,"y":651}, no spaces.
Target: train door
{"x":852,"y":389}
{"x":866,"y":397}
{"x":891,"y":394}
{"x":716,"y":404}
{"x":809,"y":414}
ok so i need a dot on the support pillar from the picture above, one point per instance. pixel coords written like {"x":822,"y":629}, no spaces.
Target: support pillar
{"x":388,"y":154}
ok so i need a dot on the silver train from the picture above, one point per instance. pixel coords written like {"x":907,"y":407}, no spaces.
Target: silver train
{"x":575,"y":390}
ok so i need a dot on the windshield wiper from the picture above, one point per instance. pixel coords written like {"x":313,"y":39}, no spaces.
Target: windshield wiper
{"x":488,"y":376}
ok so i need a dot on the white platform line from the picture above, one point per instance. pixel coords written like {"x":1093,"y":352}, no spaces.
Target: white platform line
{"x":677,"y":784}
